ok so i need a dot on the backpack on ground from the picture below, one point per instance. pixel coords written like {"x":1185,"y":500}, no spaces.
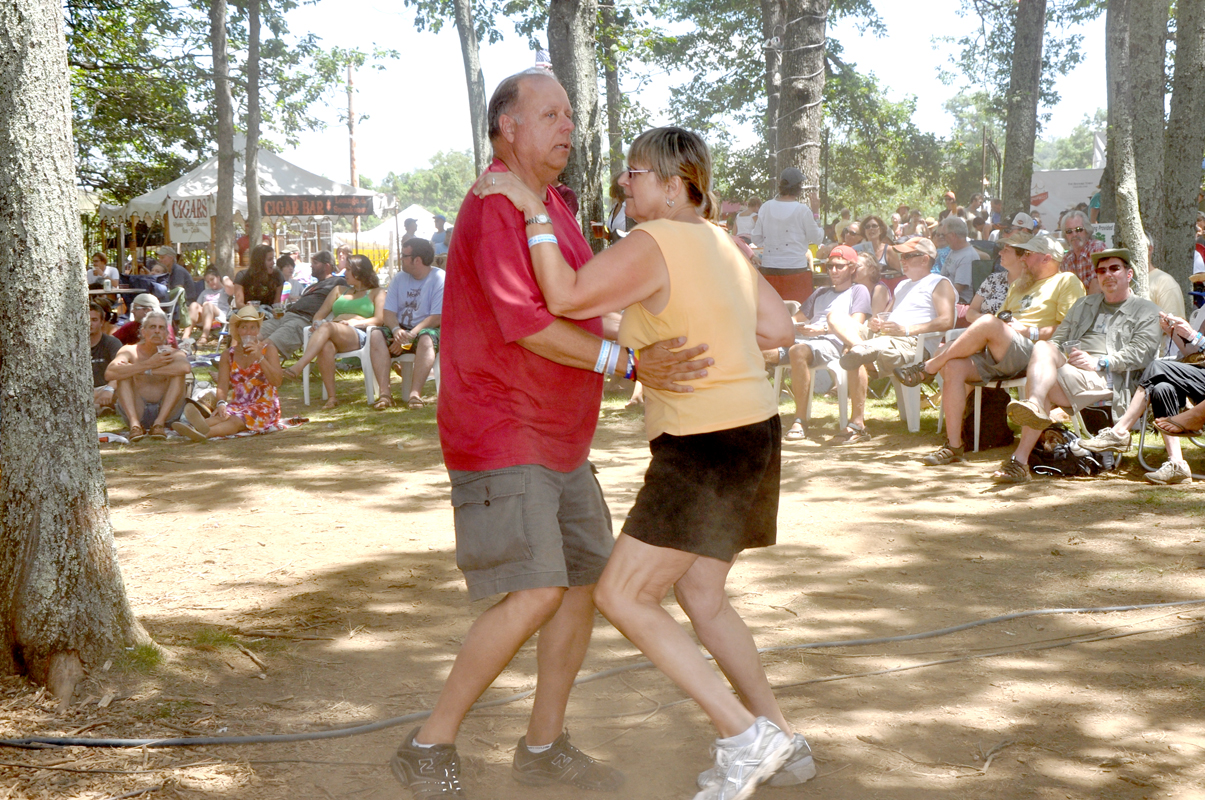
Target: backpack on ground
{"x":1058,"y":453}
{"x":993,"y":420}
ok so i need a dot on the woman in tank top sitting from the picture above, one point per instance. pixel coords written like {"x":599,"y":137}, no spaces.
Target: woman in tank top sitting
{"x":343,"y":322}
{"x":711,"y":489}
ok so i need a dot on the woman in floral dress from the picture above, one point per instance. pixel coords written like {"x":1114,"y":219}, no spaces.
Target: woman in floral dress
{"x":248,"y":379}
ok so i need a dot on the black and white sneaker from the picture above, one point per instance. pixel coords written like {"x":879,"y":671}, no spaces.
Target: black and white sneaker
{"x":563,"y":763}
{"x":430,"y":773}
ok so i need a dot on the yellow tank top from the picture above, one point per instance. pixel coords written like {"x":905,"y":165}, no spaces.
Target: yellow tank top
{"x":712,"y":300}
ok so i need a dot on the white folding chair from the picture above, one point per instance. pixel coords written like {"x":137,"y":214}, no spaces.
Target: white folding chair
{"x":365,"y":356}
{"x":1004,"y":383}
{"x":839,"y":380}
{"x":907,"y":398}
{"x":406,"y":360}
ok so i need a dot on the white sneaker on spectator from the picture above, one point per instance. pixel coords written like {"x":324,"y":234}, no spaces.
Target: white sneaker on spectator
{"x":1107,"y":439}
{"x":1171,"y":472}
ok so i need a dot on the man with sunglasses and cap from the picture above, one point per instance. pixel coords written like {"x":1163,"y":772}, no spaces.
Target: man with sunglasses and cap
{"x":1101,"y":347}
{"x":814,"y":343}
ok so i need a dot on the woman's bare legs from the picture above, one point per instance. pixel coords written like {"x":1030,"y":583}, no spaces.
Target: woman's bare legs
{"x":701,"y":594}
{"x":629,"y":594}
{"x":341,"y":335}
{"x":326,"y":366}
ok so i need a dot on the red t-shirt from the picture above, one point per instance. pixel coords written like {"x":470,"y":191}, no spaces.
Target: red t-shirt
{"x":127,"y":333}
{"x":500,"y":405}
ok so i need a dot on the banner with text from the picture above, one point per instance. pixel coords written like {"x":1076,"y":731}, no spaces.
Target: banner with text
{"x":1055,"y":191}
{"x":188,"y":219}
{"x":332,"y":205}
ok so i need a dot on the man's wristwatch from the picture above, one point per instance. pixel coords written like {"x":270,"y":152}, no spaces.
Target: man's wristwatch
{"x":1102,"y":364}
{"x":539,"y":219}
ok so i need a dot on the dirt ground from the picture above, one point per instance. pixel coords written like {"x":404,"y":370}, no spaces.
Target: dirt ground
{"x":306,"y":580}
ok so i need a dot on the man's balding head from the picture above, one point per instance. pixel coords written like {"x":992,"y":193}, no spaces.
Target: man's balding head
{"x":531,"y":126}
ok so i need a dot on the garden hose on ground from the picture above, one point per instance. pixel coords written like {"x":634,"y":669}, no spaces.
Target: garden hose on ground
{"x":41,"y":742}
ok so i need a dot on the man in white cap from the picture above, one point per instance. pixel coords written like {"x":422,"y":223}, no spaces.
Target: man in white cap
{"x":998,"y":347}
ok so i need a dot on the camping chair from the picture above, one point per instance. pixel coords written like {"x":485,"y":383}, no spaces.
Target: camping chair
{"x":363,"y":354}
{"x":1147,"y":423}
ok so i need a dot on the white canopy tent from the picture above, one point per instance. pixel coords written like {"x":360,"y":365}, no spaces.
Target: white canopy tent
{"x":190,"y":200}
{"x":386,"y":235}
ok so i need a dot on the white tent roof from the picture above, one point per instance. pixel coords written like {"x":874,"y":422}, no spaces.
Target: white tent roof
{"x":276,"y":177}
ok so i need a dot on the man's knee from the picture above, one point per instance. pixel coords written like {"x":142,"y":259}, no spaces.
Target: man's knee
{"x":538,"y":605}
{"x":800,"y":355}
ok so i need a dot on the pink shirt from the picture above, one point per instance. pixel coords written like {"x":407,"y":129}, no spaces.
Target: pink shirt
{"x":500,"y":405}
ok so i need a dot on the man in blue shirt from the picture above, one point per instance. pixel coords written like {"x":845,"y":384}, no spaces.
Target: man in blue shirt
{"x":413,"y":309}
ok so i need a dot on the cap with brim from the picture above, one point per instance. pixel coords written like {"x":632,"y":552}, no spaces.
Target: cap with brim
{"x":1117,"y":252}
{"x":918,"y":244}
{"x":440,"y":216}
{"x":1023,"y":220}
{"x":950,"y":196}
{"x":145,"y":301}
{"x":1046,"y":245}
{"x":1018,"y":237}
{"x":843,"y":252}
{"x":791,"y":176}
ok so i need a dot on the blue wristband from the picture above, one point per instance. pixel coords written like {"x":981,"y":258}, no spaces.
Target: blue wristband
{"x":542,"y":238}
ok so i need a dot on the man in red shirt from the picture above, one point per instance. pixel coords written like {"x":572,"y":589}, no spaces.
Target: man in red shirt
{"x":1080,"y":246}
{"x":518,"y":405}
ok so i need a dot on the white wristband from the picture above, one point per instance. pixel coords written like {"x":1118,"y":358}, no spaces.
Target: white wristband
{"x":612,"y":360}
{"x":604,"y":353}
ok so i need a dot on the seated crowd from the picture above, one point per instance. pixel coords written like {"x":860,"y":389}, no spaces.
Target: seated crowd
{"x":1057,"y":314}
{"x":142,"y":372}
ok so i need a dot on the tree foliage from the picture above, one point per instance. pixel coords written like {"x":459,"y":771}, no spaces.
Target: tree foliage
{"x":439,"y":187}
{"x":142,"y":87}
{"x":1073,"y":151}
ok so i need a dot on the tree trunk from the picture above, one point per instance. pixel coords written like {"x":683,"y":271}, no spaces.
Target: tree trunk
{"x":610,"y":30}
{"x":251,"y":159}
{"x":62,"y":601}
{"x":772,"y":18}
{"x":571,"y":46}
{"x":1148,"y":46}
{"x":223,"y":256}
{"x":475,"y":81}
{"x":1185,"y":142}
{"x":801,"y":110}
{"x":1022,"y":105}
{"x":1121,"y":137}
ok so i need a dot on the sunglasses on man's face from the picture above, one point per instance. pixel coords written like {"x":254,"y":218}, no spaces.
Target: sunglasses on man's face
{"x":1070,"y":231}
{"x":1105,"y":270}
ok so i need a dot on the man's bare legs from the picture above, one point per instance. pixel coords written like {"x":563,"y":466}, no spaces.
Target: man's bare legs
{"x":955,"y":376}
{"x":424,"y":360}
{"x":380,"y":366}
{"x":986,"y":333}
{"x":492,"y":641}
{"x":130,"y":402}
{"x":800,"y":358}
{"x":849,"y":331}
{"x":1041,"y":387}
{"x":560,"y":650}
{"x":173,"y":401}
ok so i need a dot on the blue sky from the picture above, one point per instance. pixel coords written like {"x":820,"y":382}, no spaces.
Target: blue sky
{"x":429,"y":80}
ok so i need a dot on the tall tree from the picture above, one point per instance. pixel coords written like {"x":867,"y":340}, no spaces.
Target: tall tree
{"x":1118,"y":22}
{"x":1022,"y":103}
{"x":773,"y":26}
{"x":474,"y":80}
{"x":803,"y":75}
{"x":62,"y":602}
{"x":251,"y":157}
{"x":610,"y":28}
{"x":223,"y":256}
{"x":1185,"y":141}
{"x":571,"y":25}
{"x":1148,"y":77}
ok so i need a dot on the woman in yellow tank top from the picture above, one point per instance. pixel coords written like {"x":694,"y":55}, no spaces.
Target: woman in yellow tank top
{"x":711,"y":489}
{"x":343,"y":322}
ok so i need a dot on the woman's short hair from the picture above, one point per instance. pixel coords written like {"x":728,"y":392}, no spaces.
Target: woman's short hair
{"x":676,"y":152}
{"x":213,"y":271}
{"x":868,"y":266}
{"x":285,"y":261}
{"x":361,"y":267}
{"x":104,"y":258}
{"x":753,"y":202}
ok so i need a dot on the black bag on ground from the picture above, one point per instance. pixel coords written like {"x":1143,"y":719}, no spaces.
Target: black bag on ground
{"x":993,"y":420}
{"x":1059,"y":453}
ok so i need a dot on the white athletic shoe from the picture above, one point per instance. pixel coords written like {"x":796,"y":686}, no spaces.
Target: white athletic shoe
{"x":1107,"y":439}
{"x":798,"y":768}
{"x":1171,"y":472}
{"x":740,"y":770}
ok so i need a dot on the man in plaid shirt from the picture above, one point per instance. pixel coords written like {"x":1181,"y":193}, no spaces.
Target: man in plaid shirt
{"x":1077,"y":230}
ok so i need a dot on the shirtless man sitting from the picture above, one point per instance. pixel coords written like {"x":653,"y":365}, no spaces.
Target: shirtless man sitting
{"x":150,"y":378}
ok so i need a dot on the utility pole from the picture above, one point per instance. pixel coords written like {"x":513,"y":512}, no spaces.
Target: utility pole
{"x":351,"y":138}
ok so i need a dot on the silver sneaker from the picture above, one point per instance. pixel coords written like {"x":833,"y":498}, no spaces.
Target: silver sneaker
{"x":1171,"y":472}
{"x":1028,"y":414}
{"x":740,"y":770}
{"x":798,"y":769}
{"x":1108,"y":439}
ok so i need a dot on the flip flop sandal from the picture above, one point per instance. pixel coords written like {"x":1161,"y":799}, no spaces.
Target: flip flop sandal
{"x":1180,"y":430}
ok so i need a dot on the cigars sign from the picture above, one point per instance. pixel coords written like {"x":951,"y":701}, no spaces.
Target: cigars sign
{"x":188,"y":219}
{"x":333,"y":205}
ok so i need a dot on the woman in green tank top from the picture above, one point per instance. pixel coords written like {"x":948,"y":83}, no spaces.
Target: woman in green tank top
{"x":343,"y":322}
